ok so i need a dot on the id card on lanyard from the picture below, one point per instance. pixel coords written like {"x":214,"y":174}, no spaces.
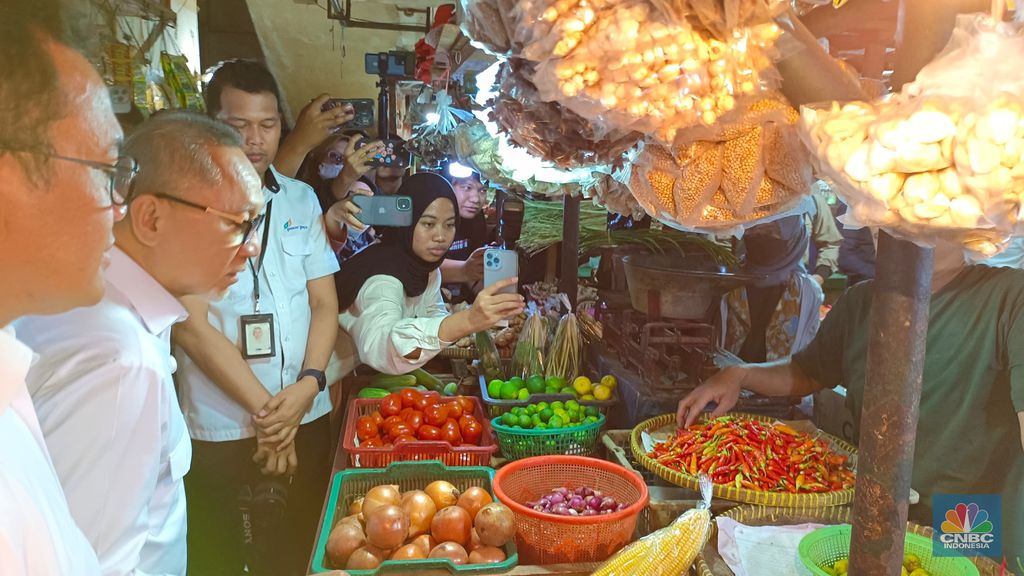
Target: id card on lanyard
{"x":257,"y":330}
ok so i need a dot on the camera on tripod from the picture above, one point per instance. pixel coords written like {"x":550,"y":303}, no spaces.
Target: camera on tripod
{"x":393,"y":64}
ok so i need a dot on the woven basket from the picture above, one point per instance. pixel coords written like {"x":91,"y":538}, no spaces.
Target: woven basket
{"x":710,"y":562}
{"x":454,"y":353}
{"x":784,"y":499}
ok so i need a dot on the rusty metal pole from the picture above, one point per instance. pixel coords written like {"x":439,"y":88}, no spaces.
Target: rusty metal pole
{"x":569,"y":281}
{"x":888,"y":420}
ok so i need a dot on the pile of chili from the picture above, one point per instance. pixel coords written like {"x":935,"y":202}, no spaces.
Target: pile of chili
{"x":756,"y":455}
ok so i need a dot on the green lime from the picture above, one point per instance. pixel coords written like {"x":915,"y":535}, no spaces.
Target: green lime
{"x":572,"y":404}
{"x":546,"y":414}
{"x":517,"y":381}
{"x":531,"y":409}
{"x":525,"y":421}
{"x":518,"y":427}
{"x":542,"y":405}
{"x":509,"y":419}
{"x":524,"y":394}
{"x":574,"y":415}
{"x":550,"y":390}
{"x":541,"y":426}
{"x":556,"y":382}
{"x":592,"y":419}
{"x":535,"y":419}
{"x":535,"y":384}
{"x":555,"y":422}
{"x":509,"y":391}
{"x":494,"y":389}
{"x":567,"y":390}
{"x":451,"y":388}
{"x":591,"y":411}
{"x":557,"y":405}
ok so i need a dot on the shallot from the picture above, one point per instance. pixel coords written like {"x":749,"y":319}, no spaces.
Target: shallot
{"x":583,"y":501}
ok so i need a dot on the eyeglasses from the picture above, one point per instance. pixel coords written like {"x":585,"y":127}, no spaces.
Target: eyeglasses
{"x":248,"y":227}
{"x":121,"y":173}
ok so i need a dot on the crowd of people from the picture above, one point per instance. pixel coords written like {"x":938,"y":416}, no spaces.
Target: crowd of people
{"x":178,"y":303}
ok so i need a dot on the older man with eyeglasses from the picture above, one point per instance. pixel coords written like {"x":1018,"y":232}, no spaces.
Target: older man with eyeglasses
{"x":103,"y":385}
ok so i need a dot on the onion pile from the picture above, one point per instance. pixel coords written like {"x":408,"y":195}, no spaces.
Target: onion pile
{"x":436,"y":522}
{"x":583,"y":501}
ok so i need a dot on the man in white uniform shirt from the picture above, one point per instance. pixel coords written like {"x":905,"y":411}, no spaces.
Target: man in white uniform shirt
{"x":102,"y":386}
{"x":242,"y":402}
{"x":58,"y":156}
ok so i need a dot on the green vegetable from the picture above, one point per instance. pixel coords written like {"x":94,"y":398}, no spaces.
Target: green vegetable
{"x":392,"y":382}
{"x":428,"y":380}
{"x":451,"y":389}
{"x":490,"y":362}
{"x":373,"y":393}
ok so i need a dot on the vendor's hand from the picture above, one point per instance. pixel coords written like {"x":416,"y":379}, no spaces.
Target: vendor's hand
{"x":357,"y":161}
{"x":345,"y":211}
{"x":286,"y":409}
{"x":722,"y":388}
{"x":489,"y":308}
{"x":817,"y":278}
{"x":276,"y":462}
{"x":473,"y":268}
{"x":314,"y":125}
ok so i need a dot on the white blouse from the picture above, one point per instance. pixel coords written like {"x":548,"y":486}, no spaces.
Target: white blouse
{"x":383,"y":325}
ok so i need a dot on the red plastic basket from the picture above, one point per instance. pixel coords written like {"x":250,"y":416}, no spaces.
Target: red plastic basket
{"x":421,"y":450}
{"x":548,"y":539}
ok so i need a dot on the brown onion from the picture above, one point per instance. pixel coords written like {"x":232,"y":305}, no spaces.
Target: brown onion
{"x":344,"y":539}
{"x":408,"y":552}
{"x":383,"y":495}
{"x":451,"y":524}
{"x":387,"y":527}
{"x":426,"y":542}
{"x":356,"y":506}
{"x":473,"y":499}
{"x":487,"y":555}
{"x":474,"y":540}
{"x":452,"y":551}
{"x":356,"y":519}
{"x":444,"y":494}
{"x":496,"y":525}
{"x":420,"y":509}
{"x":365,"y":558}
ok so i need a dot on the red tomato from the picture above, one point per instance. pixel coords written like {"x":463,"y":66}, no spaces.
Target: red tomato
{"x":454,"y":410}
{"x":366,"y":428}
{"x":414,"y":419}
{"x":391,"y":405}
{"x":409,"y":397}
{"x":377,"y":418}
{"x":422,"y":402}
{"x":404,"y":438}
{"x":428,"y":432}
{"x":400,"y":430}
{"x":471,"y":430}
{"x":391,"y":421}
{"x":435,"y":415}
{"x":451,"y":434}
{"x":432,"y":397}
{"x":405,"y":413}
{"x":374,"y":442}
{"x":468,"y":406}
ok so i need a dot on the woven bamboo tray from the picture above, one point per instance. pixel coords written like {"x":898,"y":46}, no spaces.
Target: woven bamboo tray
{"x":783,"y":499}
{"x":710,"y":563}
{"x":454,"y":353}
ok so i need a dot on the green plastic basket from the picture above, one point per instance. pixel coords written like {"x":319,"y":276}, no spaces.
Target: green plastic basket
{"x":519,"y":443}
{"x":348,"y":485}
{"x":826,"y":546}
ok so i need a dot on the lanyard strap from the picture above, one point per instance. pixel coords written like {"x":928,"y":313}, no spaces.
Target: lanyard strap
{"x":255,"y":269}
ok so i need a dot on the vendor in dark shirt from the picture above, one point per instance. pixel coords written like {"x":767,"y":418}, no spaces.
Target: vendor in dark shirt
{"x":464,"y":265}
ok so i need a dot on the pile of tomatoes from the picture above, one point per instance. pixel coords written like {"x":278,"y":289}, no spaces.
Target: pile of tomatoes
{"x":410,"y":415}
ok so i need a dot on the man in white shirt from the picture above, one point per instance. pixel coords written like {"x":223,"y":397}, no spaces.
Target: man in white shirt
{"x":102,"y":386}
{"x":60,"y":194}
{"x":242,"y":403}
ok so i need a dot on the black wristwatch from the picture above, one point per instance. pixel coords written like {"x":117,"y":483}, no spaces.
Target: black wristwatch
{"x":321,"y":378}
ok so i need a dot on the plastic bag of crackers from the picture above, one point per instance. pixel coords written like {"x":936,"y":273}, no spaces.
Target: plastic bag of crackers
{"x":944,"y":158}
{"x":749,"y":167}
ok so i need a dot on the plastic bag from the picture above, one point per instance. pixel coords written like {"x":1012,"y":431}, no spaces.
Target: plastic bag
{"x":650,"y":66}
{"x":942,"y":160}
{"x":743,"y":170}
{"x":528,"y":357}
{"x":669,"y":551}
{"x":564,"y":354}
{"x":490,"y":361}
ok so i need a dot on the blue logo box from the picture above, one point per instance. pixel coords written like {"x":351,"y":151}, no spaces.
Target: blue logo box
{"x":967,"y":525}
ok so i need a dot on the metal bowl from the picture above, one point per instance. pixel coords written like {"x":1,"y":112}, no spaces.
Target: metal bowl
{"x":682,"y":288}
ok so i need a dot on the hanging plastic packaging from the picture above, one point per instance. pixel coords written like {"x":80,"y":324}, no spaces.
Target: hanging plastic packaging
{"x":944,"y":158}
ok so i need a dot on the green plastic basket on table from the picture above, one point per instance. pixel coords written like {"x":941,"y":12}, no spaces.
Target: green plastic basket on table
{"x":826,"y":546}
{"x":516,"y":443}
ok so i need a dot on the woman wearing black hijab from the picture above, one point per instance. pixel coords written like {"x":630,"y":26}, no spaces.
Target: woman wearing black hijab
{"x":390,"y":293}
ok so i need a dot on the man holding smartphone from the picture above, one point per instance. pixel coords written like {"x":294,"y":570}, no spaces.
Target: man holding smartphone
{"x":244,"y":404}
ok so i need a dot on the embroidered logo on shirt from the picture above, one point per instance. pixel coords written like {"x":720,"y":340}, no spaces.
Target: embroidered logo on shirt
{"x":290,"y":226}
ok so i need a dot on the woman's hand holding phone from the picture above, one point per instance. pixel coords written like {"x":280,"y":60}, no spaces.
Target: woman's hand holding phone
{"x":345,"y":211}
{"x":490,"y":307}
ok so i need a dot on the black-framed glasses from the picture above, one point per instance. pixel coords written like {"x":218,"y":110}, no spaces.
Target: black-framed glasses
{"x":247,"y":226}
{"x":121,"y":174}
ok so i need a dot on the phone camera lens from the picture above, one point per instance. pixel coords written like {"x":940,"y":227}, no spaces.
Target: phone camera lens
{"x":404,"y":204}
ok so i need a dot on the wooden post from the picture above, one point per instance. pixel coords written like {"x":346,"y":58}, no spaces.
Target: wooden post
{"x":569,"y":281}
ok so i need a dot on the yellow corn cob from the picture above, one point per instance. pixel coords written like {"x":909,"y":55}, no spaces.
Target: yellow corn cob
{"x":666,"y":552}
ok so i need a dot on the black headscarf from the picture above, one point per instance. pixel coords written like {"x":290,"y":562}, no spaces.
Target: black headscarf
{"x":394,"y":256}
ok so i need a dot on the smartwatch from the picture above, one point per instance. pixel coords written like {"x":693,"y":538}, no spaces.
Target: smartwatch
{"x":321,"y":378}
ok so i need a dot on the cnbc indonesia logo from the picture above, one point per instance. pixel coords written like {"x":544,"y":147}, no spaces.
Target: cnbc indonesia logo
{"x":967,"y":528}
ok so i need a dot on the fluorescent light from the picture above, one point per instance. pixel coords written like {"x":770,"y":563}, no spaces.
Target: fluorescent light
{"x":432,"y":117}
{"x":458,"y":170}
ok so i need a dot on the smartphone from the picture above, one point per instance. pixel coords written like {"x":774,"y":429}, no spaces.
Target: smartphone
{"x":363,"y":107}
{"x":500,"y":265}
{"x":384,"y":210}
{"x":394,"y":154}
